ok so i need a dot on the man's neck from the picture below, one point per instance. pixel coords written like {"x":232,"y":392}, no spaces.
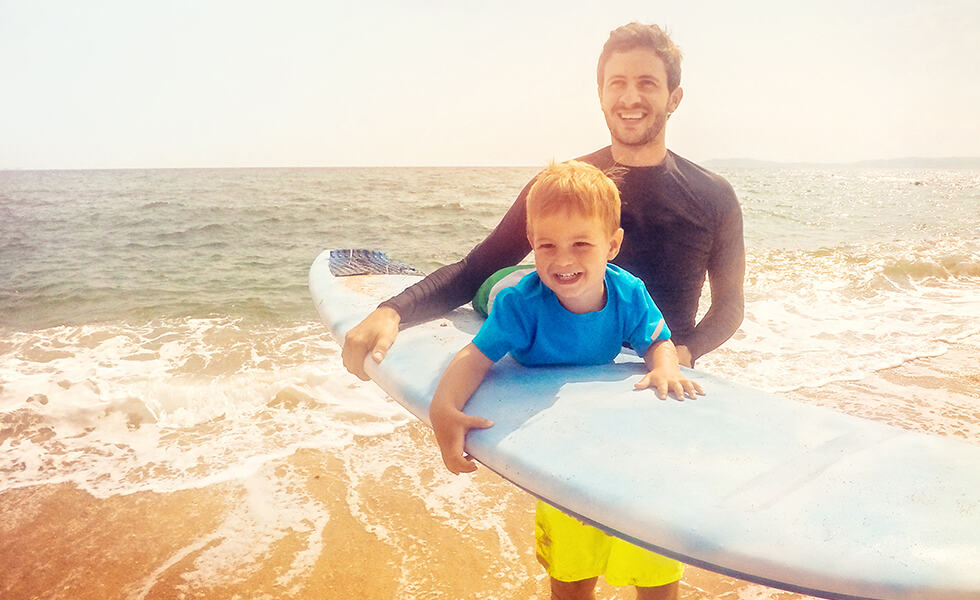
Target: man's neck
{"x":649,"y":155}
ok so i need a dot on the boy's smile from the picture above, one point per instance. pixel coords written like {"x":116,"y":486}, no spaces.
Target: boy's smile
{"x":570,"y":254}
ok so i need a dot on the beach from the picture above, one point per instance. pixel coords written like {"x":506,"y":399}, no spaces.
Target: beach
{"x":176,"y":423}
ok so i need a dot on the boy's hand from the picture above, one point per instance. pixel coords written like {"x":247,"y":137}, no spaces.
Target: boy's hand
{"x":671,"y":382}
{"x":451,"y":426}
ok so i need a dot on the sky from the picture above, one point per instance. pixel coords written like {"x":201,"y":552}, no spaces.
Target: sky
{"x":140,"y":84}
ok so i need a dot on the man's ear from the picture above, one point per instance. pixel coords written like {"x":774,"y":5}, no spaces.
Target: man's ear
{"x":615,"y":243}
{"x":674,"y":100}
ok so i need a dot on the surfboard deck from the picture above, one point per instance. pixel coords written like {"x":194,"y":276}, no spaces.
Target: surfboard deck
{"x":740,"y":481}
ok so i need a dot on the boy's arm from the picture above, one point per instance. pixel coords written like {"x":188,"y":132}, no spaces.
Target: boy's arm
{"x":664,"y":375}
{"x":463,"y":375}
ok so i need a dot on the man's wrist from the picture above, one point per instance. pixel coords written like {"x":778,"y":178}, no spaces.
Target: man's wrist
{"x":685,"y":356}
{"x":390,"y":310}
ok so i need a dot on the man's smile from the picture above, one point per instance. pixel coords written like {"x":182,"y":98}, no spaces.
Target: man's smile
{"x":632,"y":115}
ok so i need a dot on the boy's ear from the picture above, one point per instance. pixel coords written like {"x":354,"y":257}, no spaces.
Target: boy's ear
{"x":615,"y":243}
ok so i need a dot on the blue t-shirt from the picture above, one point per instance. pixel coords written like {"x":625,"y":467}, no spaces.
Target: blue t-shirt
{"x":528,"y":322}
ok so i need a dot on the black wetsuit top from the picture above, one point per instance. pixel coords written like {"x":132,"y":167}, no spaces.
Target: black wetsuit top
{"x":680,"y":221}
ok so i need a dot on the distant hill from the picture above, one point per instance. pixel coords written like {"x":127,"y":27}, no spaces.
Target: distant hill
{"x":891,"y":163}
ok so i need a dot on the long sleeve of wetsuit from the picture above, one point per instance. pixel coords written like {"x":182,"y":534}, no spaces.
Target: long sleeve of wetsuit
{"x":726,"y":275}
{"x":453,"y":285}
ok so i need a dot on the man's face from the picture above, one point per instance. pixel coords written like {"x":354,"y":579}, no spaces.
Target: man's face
{"x":634,"y":97}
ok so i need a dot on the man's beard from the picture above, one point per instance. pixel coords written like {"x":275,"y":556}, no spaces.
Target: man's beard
{"x":640,"y":138}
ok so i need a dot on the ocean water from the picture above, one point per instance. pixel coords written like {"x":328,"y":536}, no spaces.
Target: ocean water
{"x":157,"y":339}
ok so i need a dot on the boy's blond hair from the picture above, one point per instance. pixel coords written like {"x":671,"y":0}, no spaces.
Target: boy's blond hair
{"x":578,"y":187}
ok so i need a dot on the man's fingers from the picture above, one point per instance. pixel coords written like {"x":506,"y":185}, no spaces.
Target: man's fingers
{"x":381,"y":346}
{"x":353,"y":357}
{"x":373,"y":336}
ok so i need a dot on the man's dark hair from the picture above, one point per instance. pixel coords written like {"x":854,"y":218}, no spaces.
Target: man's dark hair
{"x":636,"y":35}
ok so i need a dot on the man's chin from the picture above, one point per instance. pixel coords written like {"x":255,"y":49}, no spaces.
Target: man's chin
{"x":637,"y":140}
{"x":635,"y":137}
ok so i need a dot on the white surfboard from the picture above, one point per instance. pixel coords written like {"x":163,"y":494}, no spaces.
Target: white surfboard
{"x":740,"y":481}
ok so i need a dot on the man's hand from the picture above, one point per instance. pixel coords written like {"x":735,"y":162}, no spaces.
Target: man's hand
{"x":374,"y":335}
{"x":451,"y":426}
{"x":684,"y":357}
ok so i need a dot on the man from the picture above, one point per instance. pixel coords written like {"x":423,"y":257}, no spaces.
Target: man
{"x":681,"y":222}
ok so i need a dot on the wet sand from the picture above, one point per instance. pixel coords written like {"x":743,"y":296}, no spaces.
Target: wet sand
{"x":383,"y":521}
{"x":59,"y":542}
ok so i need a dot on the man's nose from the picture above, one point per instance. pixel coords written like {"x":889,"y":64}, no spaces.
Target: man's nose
{"x":631,"y":95}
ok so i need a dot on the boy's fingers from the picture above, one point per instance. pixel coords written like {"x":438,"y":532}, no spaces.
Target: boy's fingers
{"x":477,"y":423}
{"x":470,"y":463}
{"x":458,"y":463}
{"x":453,"y":457}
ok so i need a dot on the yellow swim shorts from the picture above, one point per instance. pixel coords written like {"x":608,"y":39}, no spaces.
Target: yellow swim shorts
{"x":571,"y":551}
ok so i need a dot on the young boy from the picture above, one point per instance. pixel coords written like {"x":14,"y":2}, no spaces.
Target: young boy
{"x":575,"y":309}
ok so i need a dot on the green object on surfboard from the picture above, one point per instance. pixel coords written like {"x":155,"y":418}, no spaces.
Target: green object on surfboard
{"x":506,"y":277}
{"x":740,"y":481}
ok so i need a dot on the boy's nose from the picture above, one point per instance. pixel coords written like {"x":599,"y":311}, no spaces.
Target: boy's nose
{"x":564,"y":258}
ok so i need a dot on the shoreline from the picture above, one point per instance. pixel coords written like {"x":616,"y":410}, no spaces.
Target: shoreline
{"x":59,"y":541}
{"x":377,"y":519}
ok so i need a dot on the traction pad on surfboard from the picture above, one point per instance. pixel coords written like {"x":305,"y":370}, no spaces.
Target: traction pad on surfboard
{"x":358,"y":261}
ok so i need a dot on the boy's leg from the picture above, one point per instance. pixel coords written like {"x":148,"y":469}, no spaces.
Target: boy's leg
{"x":573,"y":590}
{"x":671,"y":591}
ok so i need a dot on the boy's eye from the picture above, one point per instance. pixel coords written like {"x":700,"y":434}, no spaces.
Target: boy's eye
{"x":582,"y":244}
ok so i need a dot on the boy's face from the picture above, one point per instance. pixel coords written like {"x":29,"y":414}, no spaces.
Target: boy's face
{"x":570,"y":253}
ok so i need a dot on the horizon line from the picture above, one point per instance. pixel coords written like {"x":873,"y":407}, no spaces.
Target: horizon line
{"x":742,"y":159}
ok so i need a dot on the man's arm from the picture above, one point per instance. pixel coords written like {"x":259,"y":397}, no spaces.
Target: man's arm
{"x":726,"y":275}
{"x":439,"y":292}
{"x":461,"y":379}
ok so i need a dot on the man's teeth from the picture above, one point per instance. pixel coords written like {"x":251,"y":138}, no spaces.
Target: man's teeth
{"x":631,"y":115}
